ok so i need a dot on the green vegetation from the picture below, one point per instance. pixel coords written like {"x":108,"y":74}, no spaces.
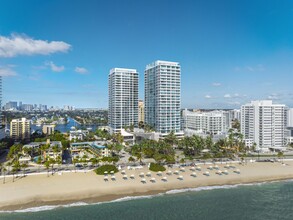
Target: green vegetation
{"x":157,"y":167}
{"x":106,"y":168}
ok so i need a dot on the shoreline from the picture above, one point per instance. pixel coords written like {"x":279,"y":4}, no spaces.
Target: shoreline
{"x":109,"y":192}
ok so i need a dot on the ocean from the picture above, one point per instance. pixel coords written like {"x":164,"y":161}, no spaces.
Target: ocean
{"x":263,"y":201}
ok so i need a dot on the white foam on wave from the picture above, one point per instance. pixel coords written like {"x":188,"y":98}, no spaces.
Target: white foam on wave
{"x":46,"y":208}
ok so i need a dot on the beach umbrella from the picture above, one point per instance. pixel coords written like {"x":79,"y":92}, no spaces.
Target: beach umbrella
{"x":123,"y":171}
{"x":106,"y":172}
{"x":226,"y":172}
{"x":143,"y":180}
{"x":193,"y":174}
{"x":207,"y":173}
{"x":148,"y":174}
{"x":132,"y":176}
{"x":176,"y":172}
{"x":216,"y":167}
{"x":210,"y":167}
{"x":192,"y":168}
{"x":106,"y":178}
{"x":153,"y":179}
{"x":125,"y":177}
{"x":112,"y":172}
{"x":237,"y":171}
{"x":159,"y":173}
{"x":164,"y":179}
{"x":227,"y":166}
{"x":182,"y":169}
{"x":141,"y":174}
{"x":180,"y":177}
{"x":113,"y":178}
{"x":169,"y":172}
{"x":198,"y":168}
{"x":219,"y":172}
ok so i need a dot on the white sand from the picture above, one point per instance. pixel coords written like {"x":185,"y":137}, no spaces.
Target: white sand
{"x":81,"y":186}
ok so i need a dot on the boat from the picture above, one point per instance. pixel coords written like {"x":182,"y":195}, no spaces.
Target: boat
{"x":72,"y":128}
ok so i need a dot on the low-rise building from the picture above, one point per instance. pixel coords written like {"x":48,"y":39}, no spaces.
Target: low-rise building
{"x":52,"y":150}
{"x":90,"y":149}
{"x":48,"y":129}
{"x":78,"y":135}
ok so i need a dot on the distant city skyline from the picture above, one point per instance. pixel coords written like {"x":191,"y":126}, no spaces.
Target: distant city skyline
{"x":230,"y":52}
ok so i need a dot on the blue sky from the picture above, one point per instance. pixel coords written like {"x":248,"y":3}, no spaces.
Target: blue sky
{"x":59,"y":52}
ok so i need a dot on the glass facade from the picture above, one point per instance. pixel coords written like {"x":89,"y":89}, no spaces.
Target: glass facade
{"x":163,"y":96}
{"x":123,"y":98}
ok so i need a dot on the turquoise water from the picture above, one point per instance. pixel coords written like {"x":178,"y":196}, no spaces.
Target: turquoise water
{"x":268,"y":201}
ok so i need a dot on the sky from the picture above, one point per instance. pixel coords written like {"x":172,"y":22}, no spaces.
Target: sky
{"x":60,"y":52}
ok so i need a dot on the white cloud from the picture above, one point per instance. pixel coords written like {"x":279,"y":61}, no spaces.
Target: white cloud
{"x":208,"y":96}
{"x":55,"y":68}
{"x":258,"y":68}
{"x":81,"y":70}
{"x":7,"y":71}
{"x":216,"y":84}
{"x":274,"y":96}
{"x":16,"y":45}
{"x":234,"y":96}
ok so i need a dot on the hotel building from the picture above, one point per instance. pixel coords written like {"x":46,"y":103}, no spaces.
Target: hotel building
{"x":264,"y":124}
{"x":213,"y":122}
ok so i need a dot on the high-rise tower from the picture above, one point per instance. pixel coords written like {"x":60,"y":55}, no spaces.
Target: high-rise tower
{"x":163,"y":96}
{"x":123,"y":98}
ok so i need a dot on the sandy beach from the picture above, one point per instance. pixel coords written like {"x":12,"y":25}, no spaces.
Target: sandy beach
{"x":39,"y":190}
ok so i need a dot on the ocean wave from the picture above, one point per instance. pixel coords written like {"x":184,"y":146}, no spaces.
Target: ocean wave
{"x":129,"y":198}
{"x":47,"y":207}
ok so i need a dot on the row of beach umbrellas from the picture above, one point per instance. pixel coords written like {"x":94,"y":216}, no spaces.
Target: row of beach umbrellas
{"x":176,"y":172}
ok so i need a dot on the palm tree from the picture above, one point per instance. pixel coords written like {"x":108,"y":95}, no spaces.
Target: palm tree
{"x":139,"y":157}
{"x":39,"y":162}
{"x":94,"y":161}
{"x":74,"y":161}
{"x":59,"y":161}
{"x":24,"y":166}
{"x":4,"y":172}
{"x":15,"y":168}
{"x":52,"y":162}
{"x":47,"y":165}
{"x":84,"y":159}
{"x":280,"y":155}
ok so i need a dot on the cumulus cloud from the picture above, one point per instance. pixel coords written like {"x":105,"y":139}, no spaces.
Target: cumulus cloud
{"x":16,"y":45}
{"x":227,"y":96}
{"x":81,"y":70}
{"x":216,"y":84}
{"x":274,"y":96}
{"x":54,"y":67}
{"x":7,"y":71}
{"x":208,"y":96}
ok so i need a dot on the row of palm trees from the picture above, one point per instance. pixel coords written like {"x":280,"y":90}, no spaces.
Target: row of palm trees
{"x":163,"y":150}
